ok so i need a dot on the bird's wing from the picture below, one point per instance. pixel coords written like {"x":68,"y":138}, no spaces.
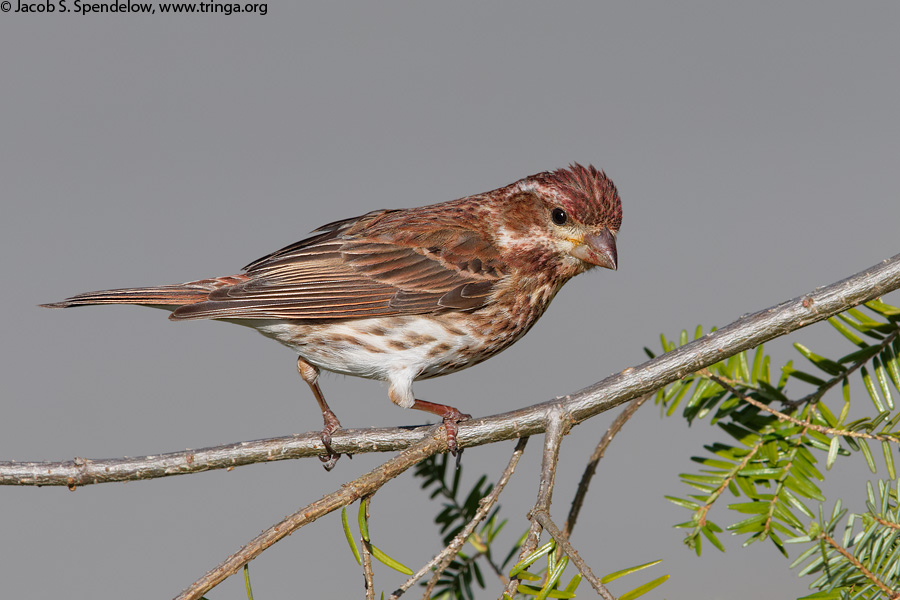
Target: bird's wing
{"x":363,"y":267}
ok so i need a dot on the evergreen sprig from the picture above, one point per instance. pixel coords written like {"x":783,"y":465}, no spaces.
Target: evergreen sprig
{"x":855,"y":564}
{"x":773,"y":468}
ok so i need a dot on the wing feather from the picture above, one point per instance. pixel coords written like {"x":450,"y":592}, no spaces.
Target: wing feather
{"x":363,"y":267}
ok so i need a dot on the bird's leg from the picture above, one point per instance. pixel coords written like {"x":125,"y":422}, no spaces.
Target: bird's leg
{"x":310,"y":375}
{"x":451,"y":417}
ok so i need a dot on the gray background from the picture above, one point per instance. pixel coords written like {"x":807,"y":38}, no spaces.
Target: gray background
{"x":755,"y":148}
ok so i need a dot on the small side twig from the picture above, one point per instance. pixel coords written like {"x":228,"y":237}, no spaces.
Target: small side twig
{"x":368,"y":573}
{"x":557,"y":425}
{"x":819,"y":392}
{"x":599,"y":451}
{"x":440,"y":562}
{"x":543,"y":517}
{"x":529,"y":546}
{"x":732,"y":475}
{"x":786,"y":417}
{"x":888,"y":592}
{"x":886,"y":523}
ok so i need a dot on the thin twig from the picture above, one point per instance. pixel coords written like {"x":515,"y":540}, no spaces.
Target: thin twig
{"x":368,"y":574}
{"x":440,"y":562}
{"x":816,"y":394}
{"x":785,"y":473}
{"x":558,"y":425}
{"x":599,"y":451}
{"x":347,"y":494}
{"x":785,"y":417}
{"x":527,"y":547}
{"x":556,"y":429}
{"x":745,"y":333}
{"x":889,"y":593}
{"x":886,"y":523}
{"x":543,"y":517}
{"x":703,"y":510}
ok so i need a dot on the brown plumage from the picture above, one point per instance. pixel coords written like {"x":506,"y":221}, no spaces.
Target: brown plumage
{"x":401,"y":295}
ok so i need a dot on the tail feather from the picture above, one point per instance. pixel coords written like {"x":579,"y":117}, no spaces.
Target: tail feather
{"x":169,"y":296}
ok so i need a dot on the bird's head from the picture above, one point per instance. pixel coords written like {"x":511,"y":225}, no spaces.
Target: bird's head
{"x":569,"y":217}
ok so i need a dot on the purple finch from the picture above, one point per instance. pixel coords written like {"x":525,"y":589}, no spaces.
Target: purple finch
{"x":402,"y":295}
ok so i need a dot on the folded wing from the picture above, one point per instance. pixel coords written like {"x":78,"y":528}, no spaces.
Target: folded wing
{"x":358,"y":268}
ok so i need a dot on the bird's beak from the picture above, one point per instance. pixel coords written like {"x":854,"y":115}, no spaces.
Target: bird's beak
{"x":598,"y":249}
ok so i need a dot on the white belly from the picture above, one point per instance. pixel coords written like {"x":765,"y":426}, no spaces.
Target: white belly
{"x":379,"y":348}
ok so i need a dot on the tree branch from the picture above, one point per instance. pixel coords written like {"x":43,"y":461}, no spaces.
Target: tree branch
{"x":543,"y":517}
{"x":368,"y":574}
{"x":747,"y":332}
{"x":443,"y":559}
{"x":557,"y":427}
{"x":347,"y":494}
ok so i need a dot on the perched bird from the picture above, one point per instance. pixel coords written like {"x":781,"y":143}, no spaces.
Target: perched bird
{"x":408,"y":294}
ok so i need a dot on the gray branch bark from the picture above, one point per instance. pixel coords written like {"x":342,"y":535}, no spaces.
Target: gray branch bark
{"x":745,"y":333}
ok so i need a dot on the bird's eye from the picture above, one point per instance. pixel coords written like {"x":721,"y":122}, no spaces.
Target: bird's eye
{"x":559,"y":216}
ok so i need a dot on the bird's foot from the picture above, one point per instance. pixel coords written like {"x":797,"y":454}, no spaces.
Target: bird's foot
{"x":450,"y":426}
{"x":332,"y":424}
{"x":451,"y":417}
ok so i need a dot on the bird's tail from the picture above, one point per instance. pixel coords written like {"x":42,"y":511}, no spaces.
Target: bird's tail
{"x":164,"y":296}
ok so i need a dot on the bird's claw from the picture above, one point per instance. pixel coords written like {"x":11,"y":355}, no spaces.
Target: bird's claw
{"x":329,"y":460}
{"x":452,"y":429}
